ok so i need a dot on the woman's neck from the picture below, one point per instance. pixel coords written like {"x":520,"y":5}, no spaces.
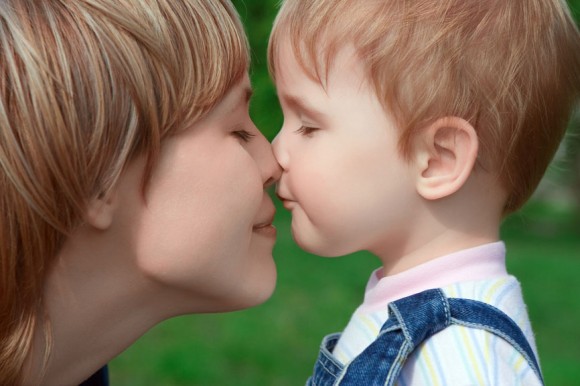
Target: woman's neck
{"x":96,"y":304}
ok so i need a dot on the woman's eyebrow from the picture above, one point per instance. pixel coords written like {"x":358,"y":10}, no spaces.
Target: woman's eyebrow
{"x":248,"y":92}
{"x":242,"y":99}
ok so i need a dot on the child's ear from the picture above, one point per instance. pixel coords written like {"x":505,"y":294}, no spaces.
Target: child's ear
{"x":100,"y":211}
{"x":445,"y":153}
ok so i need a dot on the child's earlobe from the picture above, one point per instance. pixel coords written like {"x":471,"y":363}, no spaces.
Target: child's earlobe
{"x":445,"y":152}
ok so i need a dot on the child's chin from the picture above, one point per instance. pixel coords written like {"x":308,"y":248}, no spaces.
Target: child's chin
{"x":318,"y":248}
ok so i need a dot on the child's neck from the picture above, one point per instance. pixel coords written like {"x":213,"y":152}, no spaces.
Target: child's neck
{"x":469,"y":218}
{"x":446,"y":243}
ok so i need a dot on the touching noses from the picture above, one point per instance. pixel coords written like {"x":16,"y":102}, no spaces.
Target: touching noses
{"x":280,"y":150}
{"x":271,"y":170}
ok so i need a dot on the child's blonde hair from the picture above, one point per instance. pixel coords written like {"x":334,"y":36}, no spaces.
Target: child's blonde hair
{"x":85,"y":86}
{"x":509,"y":67}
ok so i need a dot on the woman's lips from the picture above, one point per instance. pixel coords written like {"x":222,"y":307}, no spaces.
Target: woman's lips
{"x":265,"y":229}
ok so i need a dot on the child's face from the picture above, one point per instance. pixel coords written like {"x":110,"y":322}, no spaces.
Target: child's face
{"x":343,"y":178}
{"x":204,"y":231}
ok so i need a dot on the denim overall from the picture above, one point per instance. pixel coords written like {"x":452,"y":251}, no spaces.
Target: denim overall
{"x":411,"y":321}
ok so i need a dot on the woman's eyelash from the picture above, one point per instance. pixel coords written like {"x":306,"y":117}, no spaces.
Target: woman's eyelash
{"x":305,"y":130}
{"x":244,"y":135}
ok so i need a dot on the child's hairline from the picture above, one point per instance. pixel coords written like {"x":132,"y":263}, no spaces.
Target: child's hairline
{"x":317,"y":65}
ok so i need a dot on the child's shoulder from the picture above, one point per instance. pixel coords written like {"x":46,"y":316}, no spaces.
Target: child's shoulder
{"x":467,"y":355}
{"x":461,"y":355}
{"x":494,"y":291}
{"x":503,"y":292}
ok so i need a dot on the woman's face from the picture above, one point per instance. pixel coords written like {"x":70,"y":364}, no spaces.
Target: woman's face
{"x":204,"y":230}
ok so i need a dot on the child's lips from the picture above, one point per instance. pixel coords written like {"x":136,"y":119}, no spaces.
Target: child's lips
{"x":288,"y":204}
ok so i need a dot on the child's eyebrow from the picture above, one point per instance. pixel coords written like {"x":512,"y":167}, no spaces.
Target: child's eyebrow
{"x":298,"y":103}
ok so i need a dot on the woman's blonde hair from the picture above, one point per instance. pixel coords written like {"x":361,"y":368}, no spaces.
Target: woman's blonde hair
{"x":85,"y":86}
{"x":509,"y":67}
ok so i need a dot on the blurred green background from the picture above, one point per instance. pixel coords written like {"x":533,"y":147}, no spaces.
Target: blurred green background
{"x":277,"y":343}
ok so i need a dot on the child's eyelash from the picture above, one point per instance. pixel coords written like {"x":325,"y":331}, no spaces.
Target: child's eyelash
{"x":305,"y":130}
{"x":244,"y":135}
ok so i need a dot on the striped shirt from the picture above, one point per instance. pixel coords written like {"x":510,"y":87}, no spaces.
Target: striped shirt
{"x":457,"y":355}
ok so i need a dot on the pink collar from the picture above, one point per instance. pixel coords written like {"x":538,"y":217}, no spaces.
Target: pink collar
{"x":479,"y":263}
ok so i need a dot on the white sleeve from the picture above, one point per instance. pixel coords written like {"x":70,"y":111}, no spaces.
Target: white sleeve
{"x":462,"y":356}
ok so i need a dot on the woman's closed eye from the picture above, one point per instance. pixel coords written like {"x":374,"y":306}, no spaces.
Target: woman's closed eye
{"x":306,"y":130}
{"x":244,"y":135}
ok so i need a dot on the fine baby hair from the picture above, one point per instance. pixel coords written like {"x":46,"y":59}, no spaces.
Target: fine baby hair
{"x":85,"y":87}
{"x":510,"y":68}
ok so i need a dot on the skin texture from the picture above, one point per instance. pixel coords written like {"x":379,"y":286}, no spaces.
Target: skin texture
{"x":197,"y":232}
{"x":344,"y":180}
{"x":349,"y":188}
{"x":199,"y":241}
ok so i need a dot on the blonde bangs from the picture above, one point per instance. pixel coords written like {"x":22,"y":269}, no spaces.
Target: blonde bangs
{"x":211,"y":57}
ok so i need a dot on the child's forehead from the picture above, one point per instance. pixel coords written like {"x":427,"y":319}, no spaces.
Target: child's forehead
{"x":321,"y":65}
{"x":299,"y":85}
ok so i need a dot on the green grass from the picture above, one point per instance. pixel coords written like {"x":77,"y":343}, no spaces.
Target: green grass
{"x":277,"y":343}
{"x":544,"y":253}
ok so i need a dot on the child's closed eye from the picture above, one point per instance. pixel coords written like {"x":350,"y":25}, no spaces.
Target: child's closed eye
{"x":307,"y":131}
